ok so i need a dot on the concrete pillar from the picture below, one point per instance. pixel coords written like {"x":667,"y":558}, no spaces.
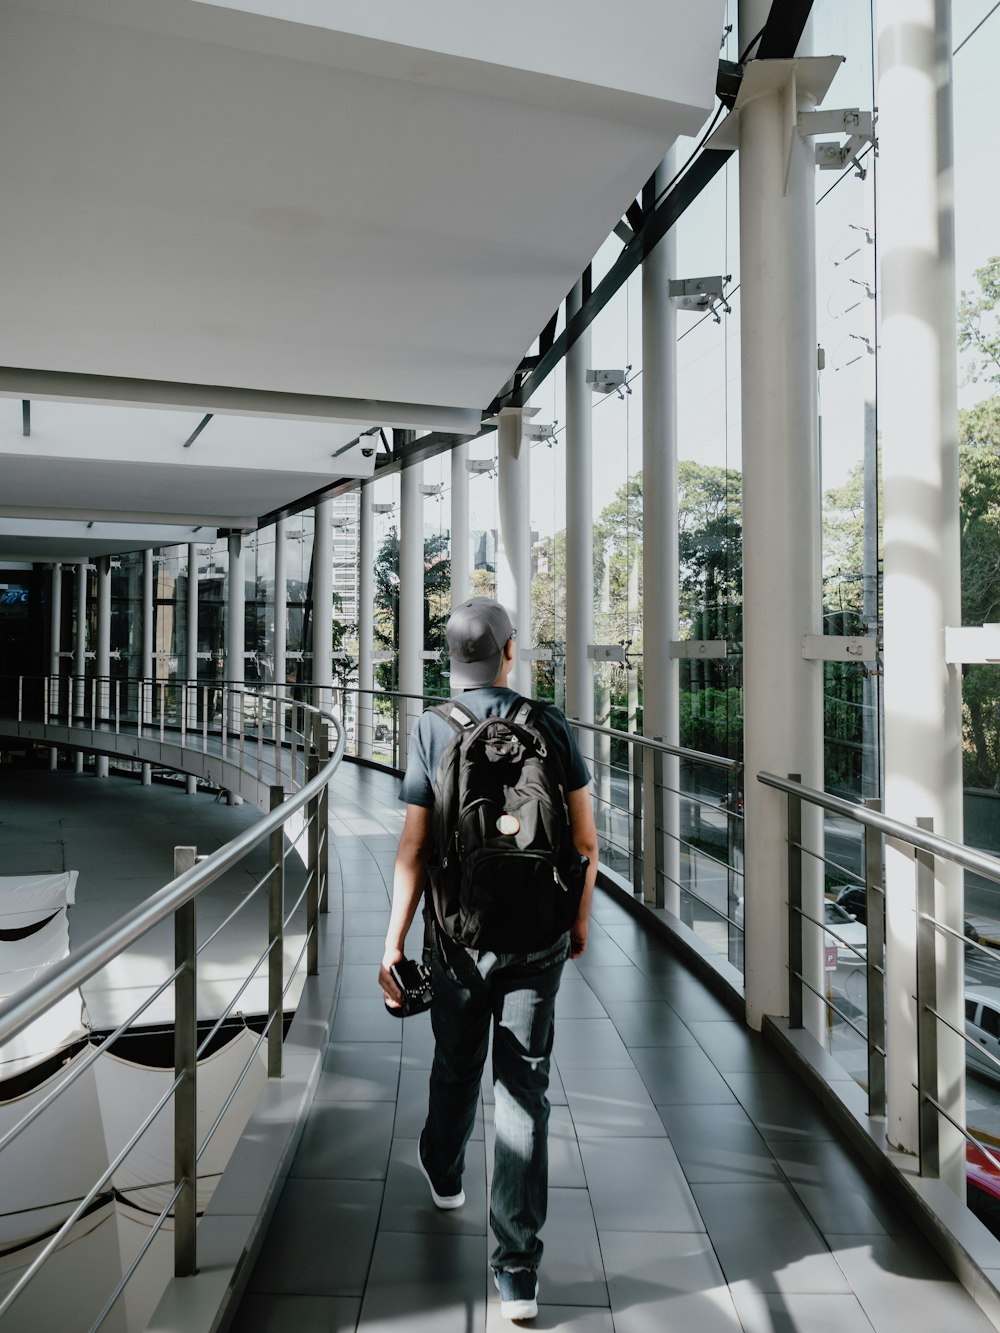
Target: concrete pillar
{"x":919,"y":418}
{"x":411,"y":600}
{"x":322,"y":618}
{"x":366,"y":619}
{"x":783,"y":705}
{"x":660,"y":560}
{"x":459,"y":524}
{"x":191,"y":651}
{"x":579,"y":531}
{"x":55,"y":645}
{"x":236,"y":598}
{"x":80,"y":656}
{"x":514,"y":538}
{"x":102,"y":655}
{"x":147,"y":683}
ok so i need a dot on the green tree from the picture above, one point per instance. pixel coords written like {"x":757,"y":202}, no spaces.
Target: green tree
{"x":979,"y":324}
{"x":979,"y":481}
{"x":437,"y":604}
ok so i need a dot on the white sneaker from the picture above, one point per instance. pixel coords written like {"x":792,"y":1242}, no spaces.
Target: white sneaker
{"x":518,"y":1288}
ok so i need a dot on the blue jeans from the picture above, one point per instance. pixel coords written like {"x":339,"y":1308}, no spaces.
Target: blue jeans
{"x":516,"y":993}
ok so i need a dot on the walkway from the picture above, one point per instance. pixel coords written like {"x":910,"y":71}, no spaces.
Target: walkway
{"x":695,"y":1184}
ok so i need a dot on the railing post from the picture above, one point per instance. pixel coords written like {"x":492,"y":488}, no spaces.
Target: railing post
{"x":927,"y":1056}
{"x":186,"y":1069}
{"x":324,"y":819}
{"x":794,"y":907}
{"x":276,"y":941}
{"x":732,"y":847}
{"x":312,"y":869}
{"x":636,"y":762}
{"x":659,"y":859}
{"x":875,"y":908}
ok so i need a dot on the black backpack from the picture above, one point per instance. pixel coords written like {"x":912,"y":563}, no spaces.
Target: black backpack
{"x":504,"y":873}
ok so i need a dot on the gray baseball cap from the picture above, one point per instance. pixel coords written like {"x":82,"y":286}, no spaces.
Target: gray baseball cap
{"x":477,"y":631}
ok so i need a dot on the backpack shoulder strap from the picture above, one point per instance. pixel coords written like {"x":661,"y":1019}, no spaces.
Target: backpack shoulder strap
{"x":460,"y":717}
{"x":521,"y":710}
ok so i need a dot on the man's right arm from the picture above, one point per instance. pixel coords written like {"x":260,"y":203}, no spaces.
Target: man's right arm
{"x":408,"y":879}
{"x":584,"y":834}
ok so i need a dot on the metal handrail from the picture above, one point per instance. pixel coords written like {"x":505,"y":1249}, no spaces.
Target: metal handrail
{"x":980,"y":862}
{"x":63,"y":977}
{"x":177,"y":899}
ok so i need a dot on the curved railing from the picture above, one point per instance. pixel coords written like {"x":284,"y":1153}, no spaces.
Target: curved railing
{"x":302,"y":736}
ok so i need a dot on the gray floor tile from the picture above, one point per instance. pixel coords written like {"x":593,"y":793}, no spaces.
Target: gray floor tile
{"x":601,"y":951}
{"x":358,"y":980}
{"x":589,"y":1043}
{"x":718,"y":1142}
{"x":569,"y":1318}
{"x":418,"y":1042}
{"x":411,"y":1106}
{"x":621,"y":981}
{"x":680,"y":1074}
{"x":426,"y":1283}
{"x":576,"y":1000}
{"x":260,"y":1313}
{"x":764,"y":1238}
{"x":836,"y":1193}
{"x":365,"y":949}
{"x":902,"y":1285}
{"x":693,"y":1002}
{"x":372,"y":922}
{"x":408,"y":1205}
{"x":761,"y":1313}
{"x":571,"y":1271}
{"x":638,"y":1185}
{"x":345,"y":1142}
{"x":320,"y":1240}
{"x":611,"y":1102}
{"x":359,"y":1072}
{"x":733,"y":1049}
{"x":363,"y":1018}
{"x":665,"y":1282}
{"x":648,"y":1023}
{"x":780,"y":1106}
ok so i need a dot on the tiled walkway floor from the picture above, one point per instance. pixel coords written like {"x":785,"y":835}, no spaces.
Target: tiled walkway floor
{"x":695,"y":1185}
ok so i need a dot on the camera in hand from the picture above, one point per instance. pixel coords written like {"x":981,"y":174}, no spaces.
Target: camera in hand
{"x":414,"y":981}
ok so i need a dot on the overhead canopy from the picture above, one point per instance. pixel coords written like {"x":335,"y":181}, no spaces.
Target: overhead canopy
{"x":334,"y":215}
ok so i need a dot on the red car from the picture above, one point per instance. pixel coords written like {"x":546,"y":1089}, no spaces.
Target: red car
{"x":982,"y":1182}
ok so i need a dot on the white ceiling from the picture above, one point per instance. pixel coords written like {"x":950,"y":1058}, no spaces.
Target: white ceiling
{"x":356,"y":205}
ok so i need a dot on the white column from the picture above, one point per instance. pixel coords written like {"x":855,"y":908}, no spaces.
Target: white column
{"x":146,"y":663}
{"x":514,"y":538}
{"x":55,"y":645}
{"x":322,"y":618}
{"x":918,"y":417}
{"x":459,"y":524}
{"x":235,"y":629}
{"x":191,"y":651}
{"x":102,"y":655}
{"x":80,"y":655}
{"x":411,"y":600}
{"x":783,"y":722}
{"x":660,"y":560}
{"x":366,"y":619}
{"x":579,"y":531}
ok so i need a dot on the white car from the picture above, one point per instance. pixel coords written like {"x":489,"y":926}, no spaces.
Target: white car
{"x":850,"y":932}
{"x":982,"y":1025}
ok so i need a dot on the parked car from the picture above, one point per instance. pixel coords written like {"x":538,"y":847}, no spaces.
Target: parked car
{"x":982,"y":1025}
{"x":982,"y":1186}
{"x":854,"y":899}
{"x":850,"y":932}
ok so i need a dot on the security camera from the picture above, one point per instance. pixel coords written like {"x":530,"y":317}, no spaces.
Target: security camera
{"x":367,"y":453}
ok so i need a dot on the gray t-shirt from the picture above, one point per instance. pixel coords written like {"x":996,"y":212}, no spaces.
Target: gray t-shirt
{"x":433,"y":733}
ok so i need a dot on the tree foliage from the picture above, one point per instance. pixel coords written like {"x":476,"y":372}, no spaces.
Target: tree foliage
{"x":437,"y":604}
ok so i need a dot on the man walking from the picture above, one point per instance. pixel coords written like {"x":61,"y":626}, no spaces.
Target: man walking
{"x":513,"y":993}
